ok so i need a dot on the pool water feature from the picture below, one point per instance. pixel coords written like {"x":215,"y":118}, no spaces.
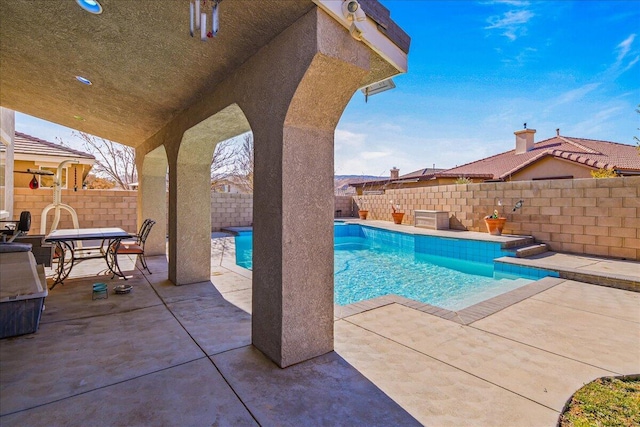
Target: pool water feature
{"x":450,"y":273}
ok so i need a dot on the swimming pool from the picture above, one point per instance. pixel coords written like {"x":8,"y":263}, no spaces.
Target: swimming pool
{"x":450,"y":273}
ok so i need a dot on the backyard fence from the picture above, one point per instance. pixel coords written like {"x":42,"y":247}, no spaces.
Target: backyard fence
{"x":583,"y":216}
{"x":231,"y":210}
{"x":95,"y":208}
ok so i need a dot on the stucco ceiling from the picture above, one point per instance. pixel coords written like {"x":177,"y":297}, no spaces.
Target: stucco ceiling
{"x":144,"y":66}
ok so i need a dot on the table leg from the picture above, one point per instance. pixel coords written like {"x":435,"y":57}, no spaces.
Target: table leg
{"x":64,"y":255}
{"x":112,"y":259}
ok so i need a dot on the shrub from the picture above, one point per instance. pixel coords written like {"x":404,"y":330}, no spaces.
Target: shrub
{"x":463,"y":180}
{"x":604,"y":173}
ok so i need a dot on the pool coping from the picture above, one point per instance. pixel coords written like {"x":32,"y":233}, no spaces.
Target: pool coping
{"x":492,"y":305}
{"x":464,"y":316}
{"x":609,"y":279}
{"x":507,"y":241}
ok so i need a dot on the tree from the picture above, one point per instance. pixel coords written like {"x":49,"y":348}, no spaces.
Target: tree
{"x":604,"y":173}
{"x":222,"y":162}
{"x":233,"y":163}
{"x":115,"y":162}
{"x":244,"y":165}
{"x":95,"y":183}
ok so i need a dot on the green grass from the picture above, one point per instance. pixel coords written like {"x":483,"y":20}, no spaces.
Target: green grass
{"x":605,"y":402}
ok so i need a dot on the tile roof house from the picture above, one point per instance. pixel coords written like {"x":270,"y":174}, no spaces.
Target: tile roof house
{"x":35,"y":153}
{"x":395,"y":180}
{"x":560,"y":157}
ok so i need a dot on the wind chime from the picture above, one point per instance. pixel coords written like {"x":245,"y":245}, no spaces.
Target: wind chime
{"x":198,"y":12}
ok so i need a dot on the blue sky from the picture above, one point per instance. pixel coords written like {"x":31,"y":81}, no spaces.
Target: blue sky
{"x":477,"y":72}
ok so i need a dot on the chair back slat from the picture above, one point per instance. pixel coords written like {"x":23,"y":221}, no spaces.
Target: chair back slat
{"x":145,"y":229}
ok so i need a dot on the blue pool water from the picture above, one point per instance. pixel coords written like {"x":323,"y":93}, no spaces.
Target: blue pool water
{"x":450,"y":273}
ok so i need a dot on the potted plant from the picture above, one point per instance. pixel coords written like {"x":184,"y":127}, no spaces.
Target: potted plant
{"x":495,"y":223}
{"x":362,"y":210}
{"x":396,"y":214}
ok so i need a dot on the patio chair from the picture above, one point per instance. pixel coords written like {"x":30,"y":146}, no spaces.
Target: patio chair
{"x":136,"y":247}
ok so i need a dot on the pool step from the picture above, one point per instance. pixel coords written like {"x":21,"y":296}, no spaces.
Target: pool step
{"x":529,"y":250}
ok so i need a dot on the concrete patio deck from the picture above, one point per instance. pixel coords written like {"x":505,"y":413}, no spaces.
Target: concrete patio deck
{"x":167,"y":355}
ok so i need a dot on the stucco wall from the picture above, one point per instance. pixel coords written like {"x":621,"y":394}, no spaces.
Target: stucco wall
{"x":552,"y":167}
{"x":23,"y":179}
{"x":587,"y":216}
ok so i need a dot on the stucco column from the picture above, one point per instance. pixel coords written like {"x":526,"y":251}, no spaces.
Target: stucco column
{"x":193,"y":228}
{"x":7,"y":136}
{"x":190,"y":195}
{"x":152,"y":198}
{"x":293,"y":200}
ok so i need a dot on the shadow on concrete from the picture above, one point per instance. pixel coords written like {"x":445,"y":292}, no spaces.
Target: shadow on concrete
{"x":170,"y":355}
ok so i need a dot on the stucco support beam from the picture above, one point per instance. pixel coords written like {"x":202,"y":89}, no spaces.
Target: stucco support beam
{"x":293,"y":196}
{"x":7,"y":136}
{"x":152,"y":198}
{"x":292,"y":93}
{"x":190,"y":246}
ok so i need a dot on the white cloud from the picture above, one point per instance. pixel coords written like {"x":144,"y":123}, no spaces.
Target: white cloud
{"x":345,"y":140}
{"x":571,"y":96}
{"x":624,"y":47}
{"x":622,"y":50}
{"x":630,"y":65}
{"x":521,"y":58}
{"x":512,"y":22}
{"x":598,"y":122}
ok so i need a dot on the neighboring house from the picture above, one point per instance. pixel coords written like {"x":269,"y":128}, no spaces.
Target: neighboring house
{"x":232,"y":184}
{"x":560,"y":157}
{"x":37,"y":154}
{"x":419,"y":178}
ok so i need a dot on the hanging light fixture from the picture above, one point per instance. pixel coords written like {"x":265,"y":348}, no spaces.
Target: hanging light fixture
{"x":198,"y":11}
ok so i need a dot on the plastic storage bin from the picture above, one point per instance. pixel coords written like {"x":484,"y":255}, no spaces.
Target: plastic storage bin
{"x":22,"y":291}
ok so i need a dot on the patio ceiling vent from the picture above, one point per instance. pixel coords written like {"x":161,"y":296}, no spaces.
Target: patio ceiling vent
{"x":91,"y":6}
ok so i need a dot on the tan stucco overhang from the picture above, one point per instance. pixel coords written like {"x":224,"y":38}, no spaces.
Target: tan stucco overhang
{"x":282,"y":69}
{"x":144,"y":67}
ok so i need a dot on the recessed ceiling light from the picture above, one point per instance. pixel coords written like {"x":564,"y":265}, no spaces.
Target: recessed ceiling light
{"x":84,"y":80}
{"x":91,"y":6}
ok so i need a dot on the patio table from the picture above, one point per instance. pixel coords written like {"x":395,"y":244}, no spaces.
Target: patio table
{"x":68,"y":253}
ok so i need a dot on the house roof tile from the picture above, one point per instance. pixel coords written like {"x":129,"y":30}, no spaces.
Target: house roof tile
{"x":30,"y":145}
{"x":594,"y":153}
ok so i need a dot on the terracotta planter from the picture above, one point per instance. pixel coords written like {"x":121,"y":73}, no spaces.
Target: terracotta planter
{"x":362,"y":213}
{"x":397,"y":217}
{"x":495,"y":225}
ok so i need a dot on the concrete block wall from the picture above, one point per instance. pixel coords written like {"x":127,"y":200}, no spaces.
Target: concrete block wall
{"x":95,"y":208}
{"x":231,"y":210}
{"x":345,"y":205}
{"x":584,"y":216}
